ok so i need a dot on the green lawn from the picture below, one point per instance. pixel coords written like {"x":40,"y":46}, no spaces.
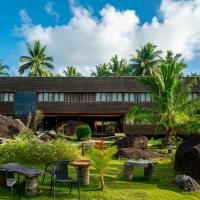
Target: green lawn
{"x":116,"y":188}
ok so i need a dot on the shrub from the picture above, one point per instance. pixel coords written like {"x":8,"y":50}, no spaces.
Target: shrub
{"x":83,"y":131}
{"x":34,"y":151}
{"x":26,"y":134}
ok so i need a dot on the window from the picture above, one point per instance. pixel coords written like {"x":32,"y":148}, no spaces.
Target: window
{"x":50,"y":97}
{"x":7,"y":97}
{"x":98,"y":97}
{"x":114,"y":96}
{"x":143,"y":97}
{"x":126,"y":97}
{"x":148,"y":97}
{"x":120,"y":98}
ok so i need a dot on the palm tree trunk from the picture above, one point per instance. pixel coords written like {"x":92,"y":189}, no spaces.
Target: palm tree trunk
{"x":170,"y":135}
{"x":101,"y":183}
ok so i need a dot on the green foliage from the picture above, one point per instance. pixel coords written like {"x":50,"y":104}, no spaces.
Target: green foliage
{"x":100,"y":161}
{"x":37,"y":63}
{"x":26,"y":134}
{"x":71,"y":71}
{"x":101,"y":70}
{"x":173,"y":109}
{"x":146,"y":60}
{"x":34,"y":151}
{"x":83,"y":131}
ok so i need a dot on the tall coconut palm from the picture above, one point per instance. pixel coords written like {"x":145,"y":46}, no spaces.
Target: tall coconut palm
{"x":36,"y":63}
{"x":101,"y":70}
{"x":146,"y":60}
{"x":3,"y":69}
{"x":119,"y":67}
{"x":172,"y":109}
{"x":71,"y":71}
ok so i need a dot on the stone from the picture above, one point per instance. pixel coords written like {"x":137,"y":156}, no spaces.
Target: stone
{"x":187,"y":158}
{"x":186,"y":183}
{"x":134,"y":141}
{"x":132,"y":153}
{"x":9,"y":126}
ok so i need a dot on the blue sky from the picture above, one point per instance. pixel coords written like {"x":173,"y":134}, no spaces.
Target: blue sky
{"x":51,"y":18}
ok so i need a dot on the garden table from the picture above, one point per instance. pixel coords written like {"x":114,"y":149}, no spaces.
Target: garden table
{"x":31,"y":174}
{"x":83,"y":168}
{"x":146,"y":164}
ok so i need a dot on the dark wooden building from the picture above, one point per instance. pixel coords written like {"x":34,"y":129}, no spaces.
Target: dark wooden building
{"x":102,"y":102}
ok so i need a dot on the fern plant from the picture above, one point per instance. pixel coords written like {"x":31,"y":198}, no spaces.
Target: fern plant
{"x":100,"y":161}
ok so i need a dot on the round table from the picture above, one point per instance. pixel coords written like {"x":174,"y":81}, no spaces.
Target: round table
{"x":83,"y":168}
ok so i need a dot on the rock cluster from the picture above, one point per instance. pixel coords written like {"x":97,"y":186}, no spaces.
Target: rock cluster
{"x":186,"y":183}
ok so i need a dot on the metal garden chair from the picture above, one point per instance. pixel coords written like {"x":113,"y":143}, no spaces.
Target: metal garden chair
{"x":60,"y":174}
{"x":10,"y":181}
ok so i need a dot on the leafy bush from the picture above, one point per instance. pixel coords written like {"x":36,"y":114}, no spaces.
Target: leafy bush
{"x":26,"y":134}
{"x":34,"y":151}
{"x":83,"y":131}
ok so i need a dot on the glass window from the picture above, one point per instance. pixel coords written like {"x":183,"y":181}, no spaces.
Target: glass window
{"x":126,"y":97}
{"x":148,"y":97}
{"x":120,"y":97}
{"x":11,"y":97}
{"x":103,"y":96}
{"x":6,"y":97}
{"x":46,"y":96}
{"x":51,"y":96}
{"x":190,"y":96}
{"x":56,"y":97}
{"x":142,"y":97}
{"x":109,"y":97}
{"x":114,"y":96}
{"x":62,"y":97}
{"x":194,"y":95}
{"x":40,"y":97}
{"x":132,"y":97}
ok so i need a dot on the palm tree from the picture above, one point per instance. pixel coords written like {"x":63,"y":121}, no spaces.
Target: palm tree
{"x":3,"y":69}
{"x":37,"y":63}
{"x":71,"y":71}
{"x":145,"y":61}
{"x":101,"y":70}
{"x":100,"y":161}
{"x":172,"y":108}
{"x":119,"y":67}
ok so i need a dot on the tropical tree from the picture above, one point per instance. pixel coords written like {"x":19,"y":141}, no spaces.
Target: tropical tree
{"x":101,"y":70}
{"x":119,"y":67}
{"x":3,"y":69}
{"x":172,"y":108}
{"x":146,"y":60}
{"x":100,"y":161}
{"x":71,"y":71}
{"x":37,"y":63}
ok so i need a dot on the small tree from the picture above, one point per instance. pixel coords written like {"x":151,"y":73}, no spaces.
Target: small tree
{"x":83,"y":131}
{"x":100,"y":161}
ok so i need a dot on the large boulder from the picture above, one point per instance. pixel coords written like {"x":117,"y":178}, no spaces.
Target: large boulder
{"x":10,"y":126}
{"x":187,"y":158}
{"x":186,"y":183}
{"x":132,"y":141}
{"x":132,"y":153}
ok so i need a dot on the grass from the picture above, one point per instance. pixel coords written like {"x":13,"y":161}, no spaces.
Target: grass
{"x":160,"y":188}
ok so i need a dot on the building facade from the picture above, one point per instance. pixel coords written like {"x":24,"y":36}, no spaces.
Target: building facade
{"x":101,"y":102}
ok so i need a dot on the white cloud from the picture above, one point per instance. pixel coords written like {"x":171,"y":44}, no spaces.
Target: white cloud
{"x":49,"y":8}
{"x":86,"y":41}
